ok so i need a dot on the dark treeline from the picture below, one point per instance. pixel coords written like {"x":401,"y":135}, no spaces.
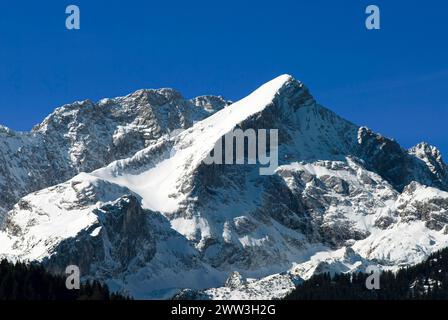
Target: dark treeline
{"x":31,"y":282}
{"x":427,"y":280}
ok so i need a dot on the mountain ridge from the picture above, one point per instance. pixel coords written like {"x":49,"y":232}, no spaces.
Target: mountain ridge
{"x":84,"y":136}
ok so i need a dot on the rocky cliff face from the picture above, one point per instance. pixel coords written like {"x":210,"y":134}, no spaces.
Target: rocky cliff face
{"x":398,"y":166}
{"x":341,"y":198}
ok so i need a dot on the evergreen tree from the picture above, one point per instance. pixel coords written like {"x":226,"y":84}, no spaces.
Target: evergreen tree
{"x":20,"y":281}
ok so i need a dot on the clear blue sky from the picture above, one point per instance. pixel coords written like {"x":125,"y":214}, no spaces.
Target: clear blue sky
{"x":394,"y":80}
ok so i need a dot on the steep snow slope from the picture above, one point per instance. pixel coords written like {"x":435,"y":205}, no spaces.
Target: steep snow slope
{"x":341,"y":198}
{"x":158,"y":184}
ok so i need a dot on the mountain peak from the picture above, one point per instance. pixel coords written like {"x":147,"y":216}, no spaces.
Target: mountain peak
{"x":270,"y":88}
{"x":432,"y":157}
{"x":6,"y":130}
{"x":424,"y":149}
{"x":156,"y":96}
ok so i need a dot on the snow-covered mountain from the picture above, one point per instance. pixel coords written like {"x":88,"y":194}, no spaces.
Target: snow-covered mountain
{"x":150,"y":217}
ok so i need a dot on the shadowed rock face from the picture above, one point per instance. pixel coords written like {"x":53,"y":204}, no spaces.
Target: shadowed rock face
{"x":121,"y":236}
{"x":399,"y":166}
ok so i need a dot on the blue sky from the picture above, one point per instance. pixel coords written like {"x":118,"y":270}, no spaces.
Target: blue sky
{"x":393,"y":80}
